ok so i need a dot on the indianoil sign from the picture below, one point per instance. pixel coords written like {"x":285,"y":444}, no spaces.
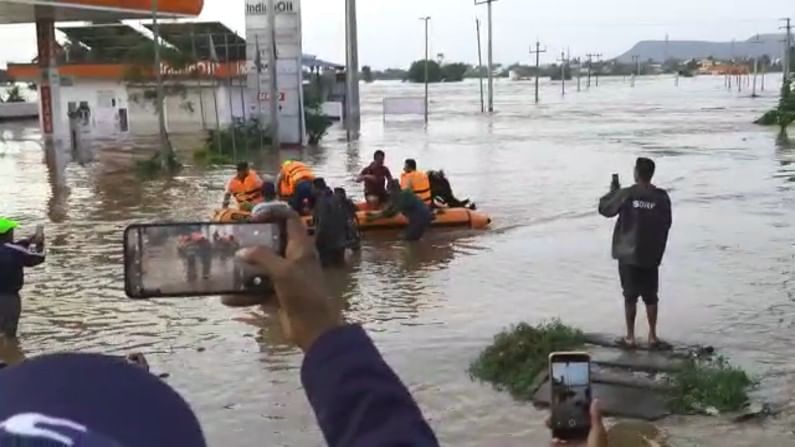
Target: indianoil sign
{"x":289,"y":76}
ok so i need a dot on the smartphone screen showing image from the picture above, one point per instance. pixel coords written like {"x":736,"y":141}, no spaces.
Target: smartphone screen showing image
{"x":196,"y":259}
{"x":570,"y":383}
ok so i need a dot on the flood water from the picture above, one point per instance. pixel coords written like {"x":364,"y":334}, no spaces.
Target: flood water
{"x":728,"y":278}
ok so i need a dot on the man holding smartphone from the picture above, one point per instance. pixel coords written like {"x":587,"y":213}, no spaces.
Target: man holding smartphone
{"x":639,"y":241}
{"x":14,"y":257}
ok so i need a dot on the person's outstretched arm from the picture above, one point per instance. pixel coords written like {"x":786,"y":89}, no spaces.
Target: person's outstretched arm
{"x":610,"y":204}
{"x":357,"y":398}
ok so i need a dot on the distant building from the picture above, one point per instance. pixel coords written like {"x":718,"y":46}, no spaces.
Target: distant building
{"x":101,"y":76}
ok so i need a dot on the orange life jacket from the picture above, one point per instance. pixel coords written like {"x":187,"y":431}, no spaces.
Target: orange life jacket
{"x":291,"y":174}
{"x":249,"y":190}
{"x":419,"y":184}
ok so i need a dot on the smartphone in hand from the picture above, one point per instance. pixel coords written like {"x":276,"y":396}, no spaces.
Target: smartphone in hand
{"x":196,"y":259}
{"x":615,"y":184}
{"x":570,"y":403}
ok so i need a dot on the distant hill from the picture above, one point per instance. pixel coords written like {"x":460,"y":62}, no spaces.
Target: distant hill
{"x":657,"y":50}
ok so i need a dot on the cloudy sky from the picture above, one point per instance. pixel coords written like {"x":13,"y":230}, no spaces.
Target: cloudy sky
{"x":390,"y":34}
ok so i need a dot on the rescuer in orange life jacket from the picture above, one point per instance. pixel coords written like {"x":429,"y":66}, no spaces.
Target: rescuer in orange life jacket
{"x":416,"y":181}
{"x":295,"y":184}
{"x":194,"y":246}
{"x":245,"y":186}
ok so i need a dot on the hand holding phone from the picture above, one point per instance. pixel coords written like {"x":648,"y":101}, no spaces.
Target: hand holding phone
{"x":570,"y":403}
{"x":196,"y":259}
{"x":615,"y":184}
{"x":305,"y":310}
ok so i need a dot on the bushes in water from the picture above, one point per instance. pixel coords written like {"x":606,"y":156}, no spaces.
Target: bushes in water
{"x":784,"y":114}
{"x":241,"y":136}
{"x":154,"y":166}
{"x":770,"y":118}
{"x":317,"y":124}
{"x":702,"y":384}
{"x":517,"y":355}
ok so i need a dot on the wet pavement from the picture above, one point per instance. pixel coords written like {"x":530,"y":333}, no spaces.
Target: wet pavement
{"x":728,"y":279}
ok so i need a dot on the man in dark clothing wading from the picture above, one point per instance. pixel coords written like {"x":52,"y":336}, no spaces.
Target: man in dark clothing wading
{"x":639,"y":240}
{"x":14,"y":257}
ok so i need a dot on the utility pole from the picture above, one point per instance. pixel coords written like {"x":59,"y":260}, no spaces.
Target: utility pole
{"x":756,"y":66}
{"x":596,"y":73}
{"x":636,"y":70}
{"x":590,"y":62}
{"x":490,"y":48}
{"x":579,"y":73}
{"x":273,"y":73}
{"x":480,"y":67}
{"x":165,"y":146}
{"x":426,"y":20}
{"x":353,"y":120}
{"x":563,"y":65}
{"x":537,"y":52}
{"x":787,"y":48}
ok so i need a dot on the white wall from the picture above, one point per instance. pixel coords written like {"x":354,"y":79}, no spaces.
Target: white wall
{"x":104,"y":99}
{"x":183,"y":111}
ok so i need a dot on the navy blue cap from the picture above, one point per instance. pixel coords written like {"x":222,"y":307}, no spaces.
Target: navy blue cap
{"x":90,"y":400}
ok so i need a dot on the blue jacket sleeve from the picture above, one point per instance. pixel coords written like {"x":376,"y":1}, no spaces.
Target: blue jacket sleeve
{"x":357,"y":398}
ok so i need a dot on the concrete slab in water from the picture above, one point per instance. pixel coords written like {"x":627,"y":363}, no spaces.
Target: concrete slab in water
{"x":649,"y":361}
{"x":619,"y":401}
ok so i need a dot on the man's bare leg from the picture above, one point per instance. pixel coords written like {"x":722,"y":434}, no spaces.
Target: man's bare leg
{"x":651,"y":314}
{"x":630,"y":312}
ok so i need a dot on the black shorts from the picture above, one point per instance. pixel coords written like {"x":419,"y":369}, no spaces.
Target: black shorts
{"x":640,"y":282}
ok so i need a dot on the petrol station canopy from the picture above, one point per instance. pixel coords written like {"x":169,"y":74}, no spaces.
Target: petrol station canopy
{"x":25,"y":11}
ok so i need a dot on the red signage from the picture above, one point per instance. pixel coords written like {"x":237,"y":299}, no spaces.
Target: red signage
{"x":265,"y":96}
{"x":45,"y":98}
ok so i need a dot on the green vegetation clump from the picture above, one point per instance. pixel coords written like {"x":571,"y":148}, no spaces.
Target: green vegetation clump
{"x":13,"y":95}
{"x":715,"y":383}
{"x":317,"y":124}
{"x":453,"y":72}
{"x":517,"y":355}
{"x":154,"y":167}
{"x":230,"y":144}
{"x":782,"y":116}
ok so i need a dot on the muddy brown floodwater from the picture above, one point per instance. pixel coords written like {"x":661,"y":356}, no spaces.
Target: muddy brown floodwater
{"x":727,"y":280}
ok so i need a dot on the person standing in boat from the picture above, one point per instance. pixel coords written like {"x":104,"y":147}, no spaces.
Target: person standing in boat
{"x":405,"y":201}
{"x":375,"y":178}
{"x":639,"y":241}
{"x":14,"y":257}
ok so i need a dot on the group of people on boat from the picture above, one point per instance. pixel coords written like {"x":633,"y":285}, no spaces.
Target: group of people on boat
{"x":415,"y":195}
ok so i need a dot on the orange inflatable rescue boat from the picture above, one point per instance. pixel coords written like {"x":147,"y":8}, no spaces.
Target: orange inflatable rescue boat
{"x":444,"y":217}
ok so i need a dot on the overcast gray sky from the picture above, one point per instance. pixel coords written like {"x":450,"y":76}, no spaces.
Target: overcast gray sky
{"x":390,"y":34}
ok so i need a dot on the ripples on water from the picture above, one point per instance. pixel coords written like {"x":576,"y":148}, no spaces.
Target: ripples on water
{"x":538,"y":170}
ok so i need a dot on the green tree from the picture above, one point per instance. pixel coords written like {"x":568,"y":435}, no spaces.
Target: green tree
{"x":454,"y":72}
{"x":786,"y":110}
{"x":417,"y":72}
{"x":14,"y":95}
{"x":367,"y":74}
